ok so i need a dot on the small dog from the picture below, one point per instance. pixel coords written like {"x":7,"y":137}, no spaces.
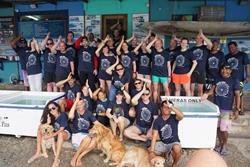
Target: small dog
{"x":139,"y":157}
{"x":47,"y":130}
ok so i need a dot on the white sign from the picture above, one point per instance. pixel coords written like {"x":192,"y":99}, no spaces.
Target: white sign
{"x":138,"y":21}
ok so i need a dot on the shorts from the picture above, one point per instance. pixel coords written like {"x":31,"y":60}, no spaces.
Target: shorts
{"x":224,"y":122}
{"x":104,"y":76}
{"x":103,"y":120}
{"x":49,"y":77}
{"x":180,"y":78}
{"x":77,"y":139}
{"x":159,"y":79}
{"x":142,"y":129}
{"x":69,"y":104}
{"x":198,"y":77}
{"x":161,"y":148}
{"x":68,"y":134}
{"x":25,"y":78}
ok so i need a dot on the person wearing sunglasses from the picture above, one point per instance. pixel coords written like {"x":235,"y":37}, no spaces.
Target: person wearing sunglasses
{"x":117,"y":112}
{"x":145,"y":113}
{"x":49,"y":63}
{"x":120,"y":78}
{"x":20,"y":46}
{"x":165,"y":128}
{"x":59,"y":120}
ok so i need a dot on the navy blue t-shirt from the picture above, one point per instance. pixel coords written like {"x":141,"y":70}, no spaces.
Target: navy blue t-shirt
{"x":167,"y":129}
{"x":81,"y":123}
{"x":22,"y":54}
{"x":119,"y":109}
{"x":104,"y":63}
{"x":88,"y":102}
{"x":159,"y":63}
{"x":120,"y":82}
{"x":71,"y":50}
{"x":214,"y":63}
{"x":61,"y":121}
{"x":144,"y":63}
{"x":201,"y":54}
{"x":127,"y":60}
{"x":237,"y":63}
{"x":224,"y":92}
{"x":70,"y":92}
{"x":34,"y":63}
{"x":101,"y":106}
{"x":183,"y":61}
{"x":145,"y":113}
{"x":171,"y":53}
{"x":85,"y":59}
{"x":49,"y":61}
{"x":63,"y":63}
{"x":134,"y":92}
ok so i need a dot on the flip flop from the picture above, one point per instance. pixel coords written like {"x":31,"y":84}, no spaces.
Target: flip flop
{"x":33,"y":158}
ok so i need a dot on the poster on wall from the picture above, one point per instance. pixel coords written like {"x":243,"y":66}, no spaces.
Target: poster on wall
{"x":244,"y":45}
{"x":6,"y":35}
{"x":93,"y":24}
{"x":138,"y":21}
{"x":76,"y":25}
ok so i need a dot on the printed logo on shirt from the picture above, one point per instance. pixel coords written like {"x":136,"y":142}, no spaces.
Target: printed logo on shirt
{"x":145,"y":114}
{"x":180,"y":60}
{"x":119,"y":111}
{"x":126,"y":60}
{"x":213,"y":62}
{"x":166,"y":131}
{"x":144,"y":61}
{"x":118,"y":84}
{"x":56,"y":126}
{"x":86,"y":103}
{"x":32,"y":60}
{"x":159,"y":60}
{"x":51,"y":58}
{"x":100,"y":108}
{"x":83,"y":124}
{"x":86,"y":56}
{"x":71,"y":51}
{"x":198,"y":53}
{"x":233,"y":63}
{"x":70,"y":95}
{"x":64,"y":61}
{"x":222,"y":89}
{"x":105,"y":64}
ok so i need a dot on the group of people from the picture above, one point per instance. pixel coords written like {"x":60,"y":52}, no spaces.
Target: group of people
{"x":120,"y":86}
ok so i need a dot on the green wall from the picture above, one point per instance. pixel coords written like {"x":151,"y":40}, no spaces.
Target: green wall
{"x":6,"y":12}
{"x":129,"y":7}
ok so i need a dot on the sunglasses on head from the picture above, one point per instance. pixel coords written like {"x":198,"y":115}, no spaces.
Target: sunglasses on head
{"x":120,"y":69}
{"x":52,"y":108}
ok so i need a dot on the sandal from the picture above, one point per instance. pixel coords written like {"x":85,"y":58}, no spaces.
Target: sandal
{"x":242,"y":113}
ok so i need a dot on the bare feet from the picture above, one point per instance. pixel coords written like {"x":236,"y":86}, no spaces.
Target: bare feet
{"x":78,"y":162}
{"x":56,"y":163}
{"x":73,"y":161}
{"x":34,"y":157}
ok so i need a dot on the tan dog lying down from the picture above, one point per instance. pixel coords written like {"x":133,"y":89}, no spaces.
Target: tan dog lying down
{"x":47,"y":130}
{"x":108,"y":144}
{"x":139,"y":157}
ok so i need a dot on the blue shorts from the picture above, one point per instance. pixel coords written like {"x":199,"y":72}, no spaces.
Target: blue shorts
{"x":156,"y":79}
{"x":142,"y":129}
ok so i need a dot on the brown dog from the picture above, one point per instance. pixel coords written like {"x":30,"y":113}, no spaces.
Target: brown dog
{"x":47,"y":130}
{"x":108,"y":144}
{"x":139,"y":157}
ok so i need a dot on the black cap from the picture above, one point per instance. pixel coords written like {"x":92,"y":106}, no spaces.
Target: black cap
{"x":226,"y":65}
{"x":21,"y":40}
{"x":119,"y":92}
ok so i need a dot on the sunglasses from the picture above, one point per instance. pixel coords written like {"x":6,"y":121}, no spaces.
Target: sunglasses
{"x":145,"y":94}
{"x":52,"y":108}
{"x":50,"y":43}
{"x":137,"y":83}
{"x":120,"y":69}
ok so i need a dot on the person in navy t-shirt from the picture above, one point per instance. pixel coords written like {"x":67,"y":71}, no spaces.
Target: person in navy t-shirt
{"x":225,"y":89}
{"x":145,"y":113}
{"x":34,"y":66}
{"x":160,"y":67}
{"x":215,"y":60}
{"x":200,"y":51}
{"x":165,"y":127}
{"x":82,"y":120}
{"x":239,"y":63}
{"x":183,"y":67}
{"x":71,"y":89}
{"x":52,"y":115}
